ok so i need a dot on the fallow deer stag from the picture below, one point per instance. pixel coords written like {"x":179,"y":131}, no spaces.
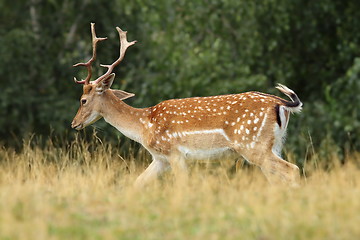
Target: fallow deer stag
{"x":250,"y":124}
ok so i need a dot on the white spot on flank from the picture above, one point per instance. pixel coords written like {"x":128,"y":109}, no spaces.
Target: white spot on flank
{"x":256,"y":120}
{"x":141,"y":120}
{"x":247,"y":131}
{"x":249,"y":121}
{"x":238,"y":119}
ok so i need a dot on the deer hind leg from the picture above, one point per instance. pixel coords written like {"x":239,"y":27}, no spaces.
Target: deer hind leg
{"x":273,"y":166}
{"x":275,"y":169}
{"x":278,"y":171}
{"x":240,"y":163}
{"x":155,"y":169}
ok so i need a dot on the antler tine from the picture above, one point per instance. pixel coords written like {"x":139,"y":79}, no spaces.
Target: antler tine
{"x":95,"y":40}
{"x":124,"y":44}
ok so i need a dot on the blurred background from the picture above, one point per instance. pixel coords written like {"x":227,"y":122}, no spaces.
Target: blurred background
{"x":185,"y":48}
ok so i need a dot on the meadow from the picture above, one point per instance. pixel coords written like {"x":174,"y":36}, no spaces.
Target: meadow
{"x":84,"y":191}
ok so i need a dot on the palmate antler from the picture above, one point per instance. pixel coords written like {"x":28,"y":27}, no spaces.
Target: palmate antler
{"x":95,"y":40}
{"x":124,"y":44}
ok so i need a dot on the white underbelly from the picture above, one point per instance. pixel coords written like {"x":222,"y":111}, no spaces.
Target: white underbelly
{"x":206,"y":154}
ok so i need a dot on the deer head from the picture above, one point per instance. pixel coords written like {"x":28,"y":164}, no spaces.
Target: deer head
{"x":95,"y":92}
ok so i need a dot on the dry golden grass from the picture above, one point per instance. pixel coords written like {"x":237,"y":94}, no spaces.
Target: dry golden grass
{"x":70,"y":193}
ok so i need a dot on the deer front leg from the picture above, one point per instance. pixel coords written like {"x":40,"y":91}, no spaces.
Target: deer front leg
{"x":155,"y":169}
{"x":179,"y":167}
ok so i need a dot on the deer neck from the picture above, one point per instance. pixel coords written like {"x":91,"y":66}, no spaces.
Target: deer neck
{"x":123,"y":117}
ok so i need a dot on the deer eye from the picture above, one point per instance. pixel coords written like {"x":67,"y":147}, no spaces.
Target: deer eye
{"x":83,"y":101}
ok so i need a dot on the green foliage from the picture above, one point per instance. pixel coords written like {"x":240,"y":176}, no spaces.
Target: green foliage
{"x":185,"y":48}
{"x":342,"y":104}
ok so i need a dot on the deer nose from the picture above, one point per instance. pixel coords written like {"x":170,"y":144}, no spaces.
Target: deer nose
{"x":76,"y":125}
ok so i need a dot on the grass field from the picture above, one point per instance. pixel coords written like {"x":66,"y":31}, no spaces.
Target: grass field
{"x":74,"y":193}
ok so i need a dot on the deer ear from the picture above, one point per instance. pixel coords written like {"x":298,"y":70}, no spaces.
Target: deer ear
{"x":106,"y":83}
{"x":122,"y":94}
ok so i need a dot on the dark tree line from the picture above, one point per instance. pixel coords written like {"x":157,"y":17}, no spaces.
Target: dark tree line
{"x":185,"y":48}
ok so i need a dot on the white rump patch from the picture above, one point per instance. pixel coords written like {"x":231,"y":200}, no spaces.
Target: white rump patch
{"x":280,"y":132}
